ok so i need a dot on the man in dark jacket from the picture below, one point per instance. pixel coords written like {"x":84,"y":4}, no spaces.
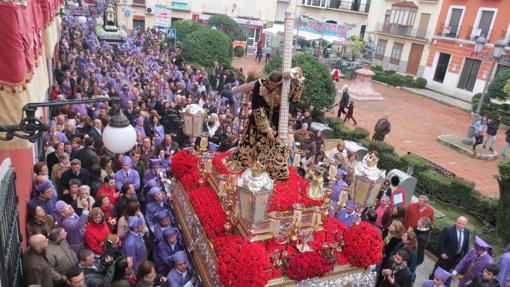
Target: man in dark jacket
{"x":382,"y":128}
{"x":87,"y":155}
{"x":453,"y":244}
{"x":396,"y":273}
{"x":36,"y":268}
{"x":76,"y":171}
{"x":492,"y":131}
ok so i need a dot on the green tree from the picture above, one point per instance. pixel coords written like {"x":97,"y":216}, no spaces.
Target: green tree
{"x":227,"y":25}
{"x":357,"y":46}
{"x":498,"y":83}
{"x":185,"y":27}
{"x":503,"y":216}
{"x":506,"y":89}
{"x":206,"y":46}
{"x":319,"y":89}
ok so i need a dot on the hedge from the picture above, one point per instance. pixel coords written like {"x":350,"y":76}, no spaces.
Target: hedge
{"x":238,"y":51}
{"x":391,"y":77}
{"x":340,"y":131}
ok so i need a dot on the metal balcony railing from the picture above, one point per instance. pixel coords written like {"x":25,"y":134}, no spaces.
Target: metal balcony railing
{"x":450,"y":31}
{"x":401,"y":30}
{"x":347,"y":5}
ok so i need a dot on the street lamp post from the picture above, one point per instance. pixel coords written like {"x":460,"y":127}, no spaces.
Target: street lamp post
{"x":499,"y":48}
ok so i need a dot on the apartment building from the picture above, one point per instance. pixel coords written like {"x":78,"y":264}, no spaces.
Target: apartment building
{"x":453,"y":67}
{"x":402,"y":31}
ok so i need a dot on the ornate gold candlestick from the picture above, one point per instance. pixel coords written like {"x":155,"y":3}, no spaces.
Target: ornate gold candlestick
{"x":296,"y":221}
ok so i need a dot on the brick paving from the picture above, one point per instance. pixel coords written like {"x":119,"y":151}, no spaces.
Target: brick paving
{"x":416,"y":123}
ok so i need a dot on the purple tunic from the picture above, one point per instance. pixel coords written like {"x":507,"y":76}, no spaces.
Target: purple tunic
{"x":504,"y":269}
{"x":75,"y":227}
{"x":430,"y":283}
{"x":134,"y":246}
{"x":346,"y":219}
{"x":471,"y":265}
{"x":133,"y":178}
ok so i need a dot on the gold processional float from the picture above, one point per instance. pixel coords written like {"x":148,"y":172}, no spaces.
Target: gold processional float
{"x":245,"y":199}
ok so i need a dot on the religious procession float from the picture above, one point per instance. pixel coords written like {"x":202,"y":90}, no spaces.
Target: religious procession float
{"x":245,"y":228}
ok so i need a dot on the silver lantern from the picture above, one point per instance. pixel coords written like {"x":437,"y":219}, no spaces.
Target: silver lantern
{"x":255,"y":189}
{"x":368,"y":180}
{"x":193,"y":117}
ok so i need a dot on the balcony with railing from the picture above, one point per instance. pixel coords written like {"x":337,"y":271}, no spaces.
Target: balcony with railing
{"x":139,"y":2}
{"x":403,"y":30}
{"x":449,"y":31}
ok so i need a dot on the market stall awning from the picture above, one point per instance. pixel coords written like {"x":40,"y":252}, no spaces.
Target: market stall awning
{"x":334,"y":39}
{"x":279,"y":29}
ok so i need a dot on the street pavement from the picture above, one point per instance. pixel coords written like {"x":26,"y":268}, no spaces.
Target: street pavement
{"x":416,"y":122}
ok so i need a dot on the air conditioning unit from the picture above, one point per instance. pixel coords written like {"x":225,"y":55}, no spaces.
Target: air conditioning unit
{"x":149,"y":10}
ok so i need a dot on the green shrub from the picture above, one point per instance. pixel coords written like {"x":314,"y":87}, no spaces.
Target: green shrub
{"x":503,"y":216}
{"x":420,"y":83}
{"x":420,"y":165}
{"x":379,"y":146}
{"x":390,"y":72}
{"x":340,"y":131}
{"x":497,"y":85}
{"x":319,"y":90}
{"x":238,"y":51}
{"x":186,"y":27}
{"x":395,"y":80}
{"x":227,"y":25}
{"x":388,"y":161}
{"x":205,"y":46}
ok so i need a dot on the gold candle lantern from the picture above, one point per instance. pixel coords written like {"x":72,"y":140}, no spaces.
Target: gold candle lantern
{"x":204,"y":141}
{"x":275,"y":217}
{"x":317,"y":218}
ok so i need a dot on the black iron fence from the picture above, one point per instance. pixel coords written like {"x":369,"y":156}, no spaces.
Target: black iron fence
{"x":10,"y":236}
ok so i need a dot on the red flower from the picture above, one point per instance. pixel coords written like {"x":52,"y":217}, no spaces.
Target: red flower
{"x":220,"y":166}
{"x":291,"y":191}
{"x":191,"y":180}
{"x":363,"y":245}
{"x":183,"y":163}
{"x":209,"y":210}
{"x":241,"y":263}
{"x":308,"y":265}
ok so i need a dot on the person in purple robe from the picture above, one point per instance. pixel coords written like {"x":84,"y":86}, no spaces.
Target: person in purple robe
{"x":44,"y":198}
{"x":153,"y":172}
{"x":139,"y":129}
{"x":348,"y":214}
{"x":163,"y":221}
{"x":127,"y":175}
{"x":474,"y":262}
{"x":73,"y":224}
{"x":166,"y":248}
{"x":442,"y":278}
{"x":80,"y":109}
{"x":338,"y":183}
{"x":504,"y":268}
{"x":181,"y":275}
{"x":134,"y":244}
{"x":157,"y":204}
{"x":53,"y":132}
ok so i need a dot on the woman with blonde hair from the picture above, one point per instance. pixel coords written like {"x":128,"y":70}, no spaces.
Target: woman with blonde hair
{"x":97,"y":230}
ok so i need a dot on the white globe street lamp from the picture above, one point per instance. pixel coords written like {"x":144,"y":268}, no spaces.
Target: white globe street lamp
{"x":119,"y":136}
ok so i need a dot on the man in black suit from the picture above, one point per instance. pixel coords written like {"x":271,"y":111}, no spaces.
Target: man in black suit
{"x":87,"y":155}
{"x":453,"y":244}
{"x":76,"y":171}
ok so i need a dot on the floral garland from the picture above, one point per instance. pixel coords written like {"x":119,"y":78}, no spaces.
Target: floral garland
{"x":220,"y":166}
{"x":363,"y":245}
{"x":241,"y":263}
{"x":308,"y":265}
{"x":183,"y":163}
{"x":191,"y":180}
{"x":291,"y":191}
{"x":209,"y":210}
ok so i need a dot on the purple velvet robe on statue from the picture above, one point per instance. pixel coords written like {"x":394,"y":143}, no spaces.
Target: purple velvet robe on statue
{"x":471,"y":265}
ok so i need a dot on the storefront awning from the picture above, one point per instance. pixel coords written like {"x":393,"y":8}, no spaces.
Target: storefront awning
{"x":279,"y":29}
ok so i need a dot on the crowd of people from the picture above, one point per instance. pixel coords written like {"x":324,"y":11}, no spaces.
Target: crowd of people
{"x":102,"y":219}
{"x":485,"y":133}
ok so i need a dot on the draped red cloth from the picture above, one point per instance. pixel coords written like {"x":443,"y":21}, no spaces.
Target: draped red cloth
{"x":22,"y":28}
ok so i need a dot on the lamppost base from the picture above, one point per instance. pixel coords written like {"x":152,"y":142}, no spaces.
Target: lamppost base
{"x":457,"y":143}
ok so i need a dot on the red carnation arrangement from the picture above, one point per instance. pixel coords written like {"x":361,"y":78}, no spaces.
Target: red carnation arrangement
{"x":220,"y":166}
{"x":191,"y":180}
{"x":363,"y":245}
{"x":183,"y":163}
{"x":332,"y":233}
{"x":209,"y":210}
{"x":308,"y":265}
{"x":241,"y":263}
{"x":291,"y":191}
